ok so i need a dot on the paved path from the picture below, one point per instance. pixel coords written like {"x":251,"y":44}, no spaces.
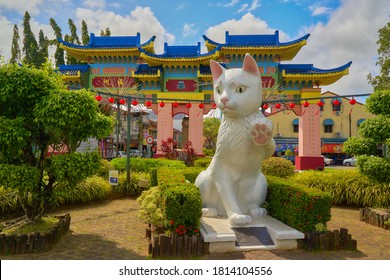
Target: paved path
{"x":111,"y":230}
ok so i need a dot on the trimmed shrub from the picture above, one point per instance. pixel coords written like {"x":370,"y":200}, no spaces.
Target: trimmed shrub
{"x":8,"y":200}
{"x":153,"y":177}
{"x":134,"y":187}
{"x":375,"y":168}
{"x":202,"y":162}
{"x":191,"y":173}
{"x":145,"y":164}
{"x":296,"y":205}
{"x":277,"y":166}
{"x":105,"y":167}
{"x":347,"y":187}
{"x":151,"y":206}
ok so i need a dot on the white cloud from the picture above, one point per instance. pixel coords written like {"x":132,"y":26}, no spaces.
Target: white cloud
{"x":232,"y":3}
{"x":319,"y":10}
{"x":247,"y":24}
{"x":127,"y":25}
{"x":94,"y":4}
{"x":350,"y":35}
{"x":21,"y":6}
{"x":249,"y":8}
{"x":189,"y":30}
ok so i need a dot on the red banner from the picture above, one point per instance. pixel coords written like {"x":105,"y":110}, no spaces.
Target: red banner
{"x":181,"y":85}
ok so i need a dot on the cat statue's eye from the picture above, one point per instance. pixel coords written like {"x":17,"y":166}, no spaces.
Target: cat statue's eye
{"x":240,"y":89}
{"x":218,"y":89}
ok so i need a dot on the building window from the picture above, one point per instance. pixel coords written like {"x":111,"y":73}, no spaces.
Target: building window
{"x":328,"y":125}
{"x":336,"y":104}
{"x":295,"y":124}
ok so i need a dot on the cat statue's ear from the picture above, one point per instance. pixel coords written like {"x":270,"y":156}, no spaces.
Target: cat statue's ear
{"x":250,"y":65}
{"x":216,"y":70}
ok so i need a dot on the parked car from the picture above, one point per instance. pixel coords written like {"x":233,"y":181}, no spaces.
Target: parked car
{"x":135,"y":153}
{"x":350,"y":161}
{"x":327,"y":161}
{"x":122,"y":154}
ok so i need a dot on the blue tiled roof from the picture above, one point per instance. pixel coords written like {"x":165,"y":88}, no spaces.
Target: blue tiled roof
{"x":181,"y":51}
{"x":146,"y":69}
{"x":309,"y":69}
{"x":73,"y":69}
{"x":98,"y":42}
{"x":254,"y":40}
{"x":205,"y":69}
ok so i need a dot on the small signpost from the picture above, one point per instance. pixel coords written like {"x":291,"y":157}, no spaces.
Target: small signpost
{"x":113,"y":177}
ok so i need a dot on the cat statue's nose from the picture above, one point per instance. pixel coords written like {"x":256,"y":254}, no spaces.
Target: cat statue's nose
{"x":224,"y":100}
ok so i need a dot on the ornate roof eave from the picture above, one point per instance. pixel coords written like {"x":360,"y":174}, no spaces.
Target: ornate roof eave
{"x":83,"y":53}
{"x":286,"y":51}
{"x":158,"y":59}
{"x":71,"y":78}
{"x":146,"y":76}
{"x":324,"y":78}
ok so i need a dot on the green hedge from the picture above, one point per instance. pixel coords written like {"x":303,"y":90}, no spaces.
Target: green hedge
{"x":145,"y":164}
{"x":277,"y":166}
{"x":173,"y":204}
{"x":296,"y":205}
{"x":375,"y":168}
{"x":8,"y":200}
{"x":202,"y":162}
{"x":347,"y":187}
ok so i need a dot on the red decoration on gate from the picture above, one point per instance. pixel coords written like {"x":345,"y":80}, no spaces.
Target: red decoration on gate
{"x":111,"y":100}
{"x":352,"y":101}
{"x":320,"y":103}
{"x":134,"y":102}
{"x":214,"y":106}
{"x":122,"y":101}
{"x":265,"y":106}
{"x":336,"y":102}
{"x":98,"y":97}
{"x":278,"y":105}
{"x":188,"y":105}
{"x":162,"y":104}
{"x":201,"y":105}
{"x":175,"y":104}
{"x":292,"y":105}
{"x":148,"y":103}
{"x":306,"y":104}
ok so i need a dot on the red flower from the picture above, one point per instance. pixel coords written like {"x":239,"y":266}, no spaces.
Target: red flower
{"x":171,"y":222}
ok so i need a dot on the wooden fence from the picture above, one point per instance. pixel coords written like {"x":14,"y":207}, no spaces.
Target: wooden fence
{"x":375,"y":217}
{"x":35,"y":242}
{"x":329,"y":240}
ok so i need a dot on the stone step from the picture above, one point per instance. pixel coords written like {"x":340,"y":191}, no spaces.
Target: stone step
{"x":264,"y":233}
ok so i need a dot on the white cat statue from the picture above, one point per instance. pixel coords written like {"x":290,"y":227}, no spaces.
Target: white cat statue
{"x":233,"y":184}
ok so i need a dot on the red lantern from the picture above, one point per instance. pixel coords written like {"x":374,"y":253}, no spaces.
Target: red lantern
{"x":148,"y":103}
{"x":352,"y":101}
{"x":162,"y":104}
{"x":98,"y":97}
{"x":320,"y":103}
{"x":201,"y":105}
{"x":188,"y":105}
{"x":292,"y":105}
{"x":175,"y":104}
{"x":336,"y":102}
{"x":122,"y":101}
{"x":111,"y":100}
{"x":214,"y":106}
{"x":134,"y":102}
{"x":278,"y":105}
{"x":306,"y":104}
{"x":265,"y":106}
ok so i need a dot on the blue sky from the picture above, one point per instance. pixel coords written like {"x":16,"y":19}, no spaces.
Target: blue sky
{"x":341,"y":31}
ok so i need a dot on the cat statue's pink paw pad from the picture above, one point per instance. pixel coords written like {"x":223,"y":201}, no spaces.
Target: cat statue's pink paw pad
{"x":261,"y":133}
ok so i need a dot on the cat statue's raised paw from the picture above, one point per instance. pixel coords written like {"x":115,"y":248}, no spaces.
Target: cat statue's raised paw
{"x":233,"y":184}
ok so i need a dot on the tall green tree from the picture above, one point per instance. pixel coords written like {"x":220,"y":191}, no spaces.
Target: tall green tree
{"x":59,"y":53}
{"x":74,"y":38}
{"x":16,"y":55}
{"x":43,"y":47}
{"x":40,"y":112}
{"x":210,"y":132}
{"x":84,"y":33}
{"x":30,"y":45}
{"x":382,"y":81}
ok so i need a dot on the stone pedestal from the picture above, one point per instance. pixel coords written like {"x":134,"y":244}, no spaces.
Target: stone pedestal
{"x":222,"y":237}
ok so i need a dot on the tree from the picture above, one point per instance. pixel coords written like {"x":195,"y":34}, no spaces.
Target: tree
{"x":59,"y":53}
{"x":15,"y":48}
{"x":30,"y":45}
{"x":210,"y":132}
{"x":43,"y":49}
{"x":382,"y":81}
{"x":40,"y":112}
{"x":69,"y":59}
{"x":84,"y":33}
{"x":105,"y":33}
{"x":74,"y":38}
